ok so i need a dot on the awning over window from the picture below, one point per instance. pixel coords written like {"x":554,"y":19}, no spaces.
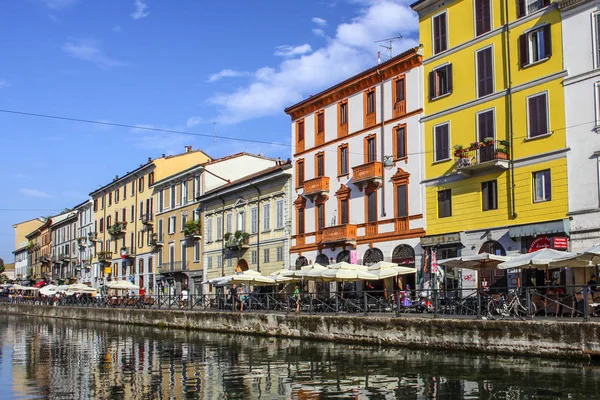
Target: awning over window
{"x":543,"y":228}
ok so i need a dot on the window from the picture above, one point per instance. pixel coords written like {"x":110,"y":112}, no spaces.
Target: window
{"x":141,"y":184}
{"x":372,"y":206}
{"x":541,"y":186}
{"x":300,"y":222}
{"x":229,"y":223}
{"x":401,"y":201}
{"x":151,"y":178}
{"x":132,"y":189}
{"x":344,"y":211}
{"x":483,"y":17}
{"x":371,"y":102}
{"x":537,"y":114}
{"x":535,"y":45}
{"x":444,"y":203}
{"x":132,"y":213}
{"x":184,"y":193}
{"x":132,"y":240}
{"x":102,"y":202}
{"x":229,"y":260}
{"x":183,"y":221}
{"x":486,"y":128}
{"x":209,"y":228}
{"x":172,"y":224}
{"x":219,"y":261}
{"x":440,"y":33}
{"x":343,"y":113}
{"x":209,"y":262}
{"x":141,"y":209}
{"x":280,"y":254}
{"x":95,"y":205}
{"x":109,"y":221}
{"x":485,"y":72}
{"x":124,"y":214}
{"x":109,"y":195}
{"x":440,"y":81}
{"x":596,"y":23}
{"x":441,"y":142}
{"x":320,"y":164}
{"x":399,"y":90}
{"x":400,"y":141}
{"x":125,"y":191}
{"x":279,"y":214}
{"x":183,"y":255}
{"x":343,"y":159}
{"x":489,"y":195}
{"x":320,"y":127}
{"x":160,"y":229}
{"x":241,"y":221}
{"x":219,"y":228}
{"x":370,"y":150}
{"x":117,"y":196}
{"x":266,"y":255}
{"x":254,"y":257}
{"x":266,"y":217}
{"x":299,"y":173}
{"x":197,"y":251}
{"x":102,"y":225}
{"x":320,"y":216}
{"x":300,"y":136}
{"x":526,"y":7}
{"x":254,"y":220}
{"x":161,"y":197}
{"x":116,"y":216}
{"x":172,"y":196}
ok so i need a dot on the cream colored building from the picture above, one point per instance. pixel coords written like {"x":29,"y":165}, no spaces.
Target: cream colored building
{"x":124,"y":219}
{"x":179,"y":247}
{"x":22,"y":259}
{"x":247,"y":223}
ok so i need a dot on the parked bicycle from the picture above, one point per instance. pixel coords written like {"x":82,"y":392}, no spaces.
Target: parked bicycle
{"x":513,"y":305}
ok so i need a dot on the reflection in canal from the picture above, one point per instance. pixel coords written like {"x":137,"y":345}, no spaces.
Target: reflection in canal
{"x":82,"y":360}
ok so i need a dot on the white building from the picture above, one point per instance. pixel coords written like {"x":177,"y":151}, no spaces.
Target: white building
{"x":21,"y":261}
{"x":581,"y":47}
{"x":86,"y":271}
{"x":358,"y":167}
{"x":64,"y":246}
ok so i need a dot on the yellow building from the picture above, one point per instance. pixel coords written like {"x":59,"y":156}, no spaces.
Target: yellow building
{"x":124,"y":219}
{"x":39,"y":249}
{"x":495,"y":144}
{"x":23,"y":249}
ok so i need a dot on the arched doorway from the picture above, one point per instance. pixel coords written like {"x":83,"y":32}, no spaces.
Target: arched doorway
{"x":322,"y":259}
{"x":301,"y":262}
{"x":404,"y":256}
{"x":372,"y":256}
{"x":241,"y":266}
{"x":343,"y":256}
{"x":492,"y":247}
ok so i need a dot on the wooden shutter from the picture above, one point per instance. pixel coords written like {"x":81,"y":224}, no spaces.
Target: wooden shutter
{"x":485,"y":196}
{"x":523,"y":51}
{"x":542,"y":114}
{"x":521,"y":8}
{"x":534,"y":117}
{"x":400,"y":142}
{"x":432,"y":85}
{"x":547,"y":41}
{"x":442,"y":32}
{"x":449,"y":77}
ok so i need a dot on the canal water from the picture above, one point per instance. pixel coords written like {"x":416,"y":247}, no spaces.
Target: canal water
{"x":63,"y":359}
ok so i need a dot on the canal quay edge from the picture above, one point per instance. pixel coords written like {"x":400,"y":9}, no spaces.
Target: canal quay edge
{"x":555,"y":339}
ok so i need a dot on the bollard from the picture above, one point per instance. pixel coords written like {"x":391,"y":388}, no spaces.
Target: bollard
{"x":528,"y":297}
{"x":586,"y":305}
{"x":365,"y":303}
{"x":478,"y":303}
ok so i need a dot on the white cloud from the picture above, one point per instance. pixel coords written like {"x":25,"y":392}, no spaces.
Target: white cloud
{"x":35,"y":193}
{"x":90,"y":50}
{"x":58,"y":4}
{"x":350,"y":51}
{"x":319,"y":21}
{"x":226,"y":73}
{"x":292,"y":51}
{"x":117,"y":29}
{"x":140,"y":10}
{"x":319,"y":32}
{"x":4,"y":83}
{"x":194,"y":121}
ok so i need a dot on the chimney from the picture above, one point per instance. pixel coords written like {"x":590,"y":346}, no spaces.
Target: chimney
{"x":163,"y":156}
{"x":188,"y":149}
{"x":149,"y":159}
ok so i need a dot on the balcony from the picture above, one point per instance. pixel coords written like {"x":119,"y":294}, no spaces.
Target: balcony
{"x":316,"y":187}
{"x":237,"y":241}
{"x":174,"y":266}
{"x":480,"y":157}
{"x":534,"y":5}
{"x":399,"y":109}
{"x":371,"y":172}
{"x":192,"y":229}
{"x":370,"y":119}
{"x":54,"y":259}
{"x":64,"y":257}
{"x":127,"y":252}
{"x":148,"y":220}
{"x":117,"y":229}
{"x":156,"y":240}
{"x":401,"y":224}
{"x":104,"y":256}
{"x":371,"y":229}
{"x":93,"y":236}
{"x":340,"y":234}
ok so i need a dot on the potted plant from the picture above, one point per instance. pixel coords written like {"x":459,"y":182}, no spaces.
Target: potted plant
{"x":502,"y":153}
{"x":459,"y":151}
{"x":192,"y":228}
{"x":488,"y":141}
{"x":474,"y":146}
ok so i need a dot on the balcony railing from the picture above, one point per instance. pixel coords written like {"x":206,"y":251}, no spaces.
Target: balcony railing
{"x":399,"y":108}
{"x":175,"y":266}
{"x":371,"y":229}
{"x":117,"y":228}
{"x":480,"y":158}
{"x":148,"y":219}
{"x":93,"y":236}
{"x":157,"y":240}
{"x":401,"y":224}
{"x":127,"y":251}
{"x":534,"y":5}
{"x":339,"y":234}
{"x":317,"y":186}
{"x":104,"y":256}
{"x":369,"y":172}
{"x":237,"y":243}
{"x":370,"y":119}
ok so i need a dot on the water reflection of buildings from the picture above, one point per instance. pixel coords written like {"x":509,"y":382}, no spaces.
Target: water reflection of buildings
{"x":54,"y":358}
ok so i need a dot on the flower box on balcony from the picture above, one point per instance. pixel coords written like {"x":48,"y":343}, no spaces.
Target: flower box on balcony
{"x":193,"y":229}
{"x":117,"y":228}
{"x":237,"y":240}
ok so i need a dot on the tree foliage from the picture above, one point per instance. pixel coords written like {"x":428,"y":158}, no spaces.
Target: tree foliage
{"x":1,"y":265}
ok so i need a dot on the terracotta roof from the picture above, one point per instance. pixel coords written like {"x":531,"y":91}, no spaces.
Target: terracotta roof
{"x":267,"y":171}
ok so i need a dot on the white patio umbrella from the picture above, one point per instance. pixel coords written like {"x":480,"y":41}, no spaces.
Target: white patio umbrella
{"x":475,"y":261}
{"x":283,"y":275}
{"x":537,"y":259}
{"x":384,"y":270}
{"x":251,"y":277}
{"x":346,"y":275}
{"x":48,"y":290}
{"x":348,"y":266}
{"x":587,"y":258}
{"x":121,"y":285}
{"x":306,"y":270}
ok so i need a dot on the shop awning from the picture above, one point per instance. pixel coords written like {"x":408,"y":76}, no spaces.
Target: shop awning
{"x":544,"y":228}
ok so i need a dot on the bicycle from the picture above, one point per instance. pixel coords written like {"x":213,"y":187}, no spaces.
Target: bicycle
{"x":500,"y":308}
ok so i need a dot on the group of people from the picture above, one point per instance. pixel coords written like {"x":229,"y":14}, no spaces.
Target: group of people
{"x":239,"y":297}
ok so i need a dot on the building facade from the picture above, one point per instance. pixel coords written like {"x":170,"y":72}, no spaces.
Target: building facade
{"x":63,"y":231}
{"x":23,"y":247}
{"x":39,"y":248}
{"x":85,"y":272}
{"x":581,"y":44}
{"x":493,"y":125}
{"x":179,"y":220}
{"x":357,"y":168}
{"x":246,"y":223}
{"x":124,"y":219}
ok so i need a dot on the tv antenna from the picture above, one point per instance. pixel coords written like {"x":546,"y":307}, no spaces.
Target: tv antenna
{"x":389,"y":42}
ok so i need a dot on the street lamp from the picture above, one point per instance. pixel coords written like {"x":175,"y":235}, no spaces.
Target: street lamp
{"x":388,"y":162}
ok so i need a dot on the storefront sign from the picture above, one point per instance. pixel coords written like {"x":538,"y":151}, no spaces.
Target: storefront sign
{"x":561,"y":243}
{"x":539,"y":243}
{"x":107,"y":270}
{"x":434,"y":266}
{"x":353,"y":256}
{"x":436,"y":240}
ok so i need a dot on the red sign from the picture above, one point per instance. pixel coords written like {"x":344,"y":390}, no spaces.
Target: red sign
{"x":561,"y":243}
{"x":539,"y":243}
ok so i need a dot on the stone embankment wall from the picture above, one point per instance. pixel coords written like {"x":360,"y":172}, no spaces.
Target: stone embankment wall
{"x":568,"y":339}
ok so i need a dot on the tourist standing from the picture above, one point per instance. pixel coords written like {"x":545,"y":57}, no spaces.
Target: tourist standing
{"x":297,"y":298}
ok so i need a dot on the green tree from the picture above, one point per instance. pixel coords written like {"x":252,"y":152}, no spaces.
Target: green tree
{"x":1,"y":265}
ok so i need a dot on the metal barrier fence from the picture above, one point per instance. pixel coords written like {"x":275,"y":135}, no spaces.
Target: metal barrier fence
{"x":579,"y":302}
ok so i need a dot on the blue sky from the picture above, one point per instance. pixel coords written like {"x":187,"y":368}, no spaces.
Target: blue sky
{"x":182,"y":65}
